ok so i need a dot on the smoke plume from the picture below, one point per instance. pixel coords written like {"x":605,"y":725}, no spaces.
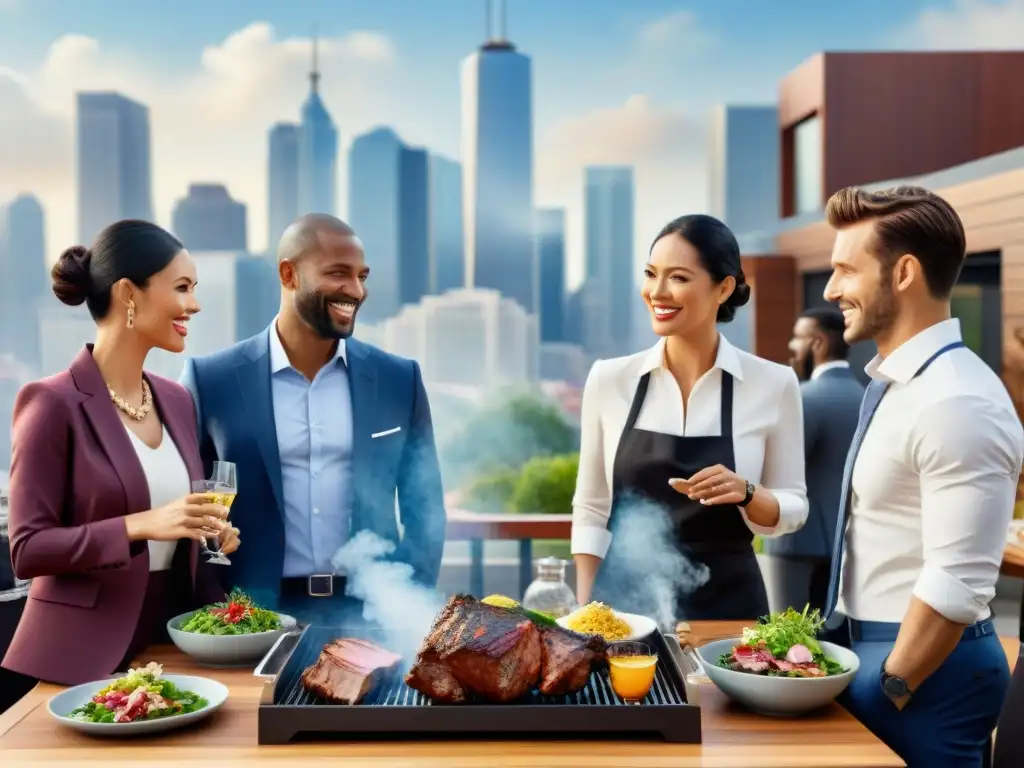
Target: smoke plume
{"x":400,"y":607}
{"x":645,"y":572}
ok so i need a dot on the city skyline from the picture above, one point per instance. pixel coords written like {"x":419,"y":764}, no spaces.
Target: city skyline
{"x":229,"y":77}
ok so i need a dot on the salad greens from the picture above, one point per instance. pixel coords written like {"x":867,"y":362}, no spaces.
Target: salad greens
{"x":238,"y":615}
{"x":783,"y":644}
{"x":142,"y":694}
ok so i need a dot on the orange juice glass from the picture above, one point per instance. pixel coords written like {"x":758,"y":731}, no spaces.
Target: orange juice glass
{"x":632,"y":667}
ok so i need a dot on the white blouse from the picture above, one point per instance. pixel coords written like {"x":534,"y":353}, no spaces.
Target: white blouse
{"x":767,"y":431}
{"x":167,"y":477}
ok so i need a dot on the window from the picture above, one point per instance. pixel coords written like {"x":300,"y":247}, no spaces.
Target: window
{"x":808,"y":173}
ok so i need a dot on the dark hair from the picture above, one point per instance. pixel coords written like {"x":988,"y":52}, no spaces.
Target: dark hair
{"x":830,"y":322}
{"x":130,"y":249}
{"x":719,"y":254}
{"x":908,"y":220}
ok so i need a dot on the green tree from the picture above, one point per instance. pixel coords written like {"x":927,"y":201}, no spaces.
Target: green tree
{"x":491,"y":492}
{"x":506,"y":436}
{"x":546,"y":485}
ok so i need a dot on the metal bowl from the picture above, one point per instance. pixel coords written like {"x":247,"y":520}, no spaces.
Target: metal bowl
{"x":785,"y":696}
{"x":226,"y":650}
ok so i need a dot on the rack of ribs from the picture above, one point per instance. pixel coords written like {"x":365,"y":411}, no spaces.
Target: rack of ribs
{"x":347,"y":670}
{"x":499,"y":654}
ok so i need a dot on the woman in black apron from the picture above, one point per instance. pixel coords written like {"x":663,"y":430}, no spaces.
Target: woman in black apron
{"x":687,"y":485}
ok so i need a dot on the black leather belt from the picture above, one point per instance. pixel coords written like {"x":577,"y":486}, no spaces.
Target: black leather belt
{"x":317,"y":585}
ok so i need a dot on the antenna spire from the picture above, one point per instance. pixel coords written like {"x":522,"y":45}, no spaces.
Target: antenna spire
{"x":496,"y":14}
{"x":314,"y":74}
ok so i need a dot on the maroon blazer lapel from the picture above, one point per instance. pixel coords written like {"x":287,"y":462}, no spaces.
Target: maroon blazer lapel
{"x":110,"y":432}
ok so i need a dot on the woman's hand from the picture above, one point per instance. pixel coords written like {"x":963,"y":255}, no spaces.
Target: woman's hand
{"x":713,"y":485}
{"x":229,"y":540}
{"x":190,"y":517}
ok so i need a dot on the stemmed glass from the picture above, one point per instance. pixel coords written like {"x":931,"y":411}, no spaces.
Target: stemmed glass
{"x":219,"y":489}
{"x":632,"y":667}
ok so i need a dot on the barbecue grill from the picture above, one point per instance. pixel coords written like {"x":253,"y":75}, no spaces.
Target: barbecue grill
{"x":393,"y":710}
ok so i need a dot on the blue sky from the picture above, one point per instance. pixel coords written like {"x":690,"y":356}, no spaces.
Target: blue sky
{"x":614,"y":80}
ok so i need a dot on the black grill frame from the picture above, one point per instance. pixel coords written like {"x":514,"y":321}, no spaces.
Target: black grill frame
{"x":395,"y":711}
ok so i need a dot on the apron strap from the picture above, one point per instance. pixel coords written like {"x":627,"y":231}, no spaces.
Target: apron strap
{"x":641,"y":393}
{"x":727,"y":382}
{"x":638,"y":402}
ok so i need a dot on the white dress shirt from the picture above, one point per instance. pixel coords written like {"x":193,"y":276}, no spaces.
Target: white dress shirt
{"x":167,"y":479}
{"x":768,"y":431}
{"x":934,"y":485}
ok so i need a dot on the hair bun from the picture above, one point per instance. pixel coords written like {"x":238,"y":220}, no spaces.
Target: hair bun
{"x":740,"y":294}
{"x":70,"y":275}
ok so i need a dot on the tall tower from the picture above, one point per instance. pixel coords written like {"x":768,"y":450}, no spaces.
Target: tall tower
{"x":318,"y":150}
{"x":497,"y":154}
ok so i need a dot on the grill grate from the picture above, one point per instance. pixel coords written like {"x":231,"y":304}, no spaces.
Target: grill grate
{"x":395,"y":693}
{"x":394,"y":710}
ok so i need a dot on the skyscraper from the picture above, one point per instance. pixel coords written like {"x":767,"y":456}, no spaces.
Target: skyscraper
{"x":114,"y":174}
{"x":207,"y":219}
{"x":282,"y":181}
{"x":551,"y":271}
{"x":744,"y":166}
{"x":374,"y":161}
{"x":318,"y":151}
{"x":413,"y":226}
{"x":447,"y":262}
{"x":497,"y":181}
{"x":24,"y":284}
{"x":610,"y":270}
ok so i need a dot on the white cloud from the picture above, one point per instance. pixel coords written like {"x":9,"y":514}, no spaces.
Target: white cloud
{"x":208,"y":124}
{"x":967,"y":25}
{"x":679,"y":29}
{"x":665,"y":146}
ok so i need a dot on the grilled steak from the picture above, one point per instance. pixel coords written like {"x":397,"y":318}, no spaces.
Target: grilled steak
{"x":498,"y":654}
{"x":568,"y":659}
{"x":347,"y":669}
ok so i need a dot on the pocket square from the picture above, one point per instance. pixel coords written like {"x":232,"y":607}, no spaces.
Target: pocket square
{"x":386,"y":432}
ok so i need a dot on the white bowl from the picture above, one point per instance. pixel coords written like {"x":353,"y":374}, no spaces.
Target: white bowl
{"x":641,"y":626}
{"x":226,"y":650}
{"x":786,"y":696}
{"x":61,"y":705}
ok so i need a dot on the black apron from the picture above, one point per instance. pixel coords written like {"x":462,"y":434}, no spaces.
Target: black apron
{"x":715,"y":536}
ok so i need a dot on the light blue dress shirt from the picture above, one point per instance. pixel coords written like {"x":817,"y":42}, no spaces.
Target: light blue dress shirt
{"x":314,"y":439}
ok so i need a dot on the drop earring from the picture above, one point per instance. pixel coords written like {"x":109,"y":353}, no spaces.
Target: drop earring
{"x":131,"y":314}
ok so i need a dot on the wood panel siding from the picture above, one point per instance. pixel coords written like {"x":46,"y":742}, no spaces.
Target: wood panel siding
{"x":774,"y":284}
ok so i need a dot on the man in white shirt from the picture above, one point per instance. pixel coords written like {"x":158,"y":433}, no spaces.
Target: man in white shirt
{"x":929,"y":487}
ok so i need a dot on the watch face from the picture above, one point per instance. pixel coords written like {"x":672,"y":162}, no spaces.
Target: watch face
{"x":894,"y":686}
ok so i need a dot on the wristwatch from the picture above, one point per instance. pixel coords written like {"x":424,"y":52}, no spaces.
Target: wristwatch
{"x":749,"y":496}
{"x":894,"y":687}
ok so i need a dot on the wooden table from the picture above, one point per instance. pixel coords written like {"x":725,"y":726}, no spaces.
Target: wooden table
{"x":733,"y":738}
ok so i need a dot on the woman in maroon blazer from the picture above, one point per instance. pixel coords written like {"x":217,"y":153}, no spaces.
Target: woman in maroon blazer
{"x":101,"y":515}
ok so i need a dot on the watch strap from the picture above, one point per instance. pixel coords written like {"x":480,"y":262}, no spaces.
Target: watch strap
{"x":750,"y":494}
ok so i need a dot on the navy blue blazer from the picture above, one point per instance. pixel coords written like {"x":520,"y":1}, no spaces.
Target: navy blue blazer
{"x":234,"y":407}
{"x":831,"y":408}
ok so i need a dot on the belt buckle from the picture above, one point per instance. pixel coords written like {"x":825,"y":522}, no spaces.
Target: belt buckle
{"x":325,"y":582}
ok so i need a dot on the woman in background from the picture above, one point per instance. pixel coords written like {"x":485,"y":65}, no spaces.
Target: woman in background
{"x":689,"y":448}
{"x":101,"y":515}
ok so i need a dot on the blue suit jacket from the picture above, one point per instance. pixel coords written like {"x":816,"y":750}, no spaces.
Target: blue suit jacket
{"x":234,"y":407}
{"x":831,"y":409}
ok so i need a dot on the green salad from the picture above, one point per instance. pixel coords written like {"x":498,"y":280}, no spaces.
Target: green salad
{"x":238,"y":615}
{"x":783,"y":644}
{"x":142,"y":694}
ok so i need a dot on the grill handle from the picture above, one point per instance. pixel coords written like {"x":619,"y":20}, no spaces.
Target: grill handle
{"x":270,"y":667}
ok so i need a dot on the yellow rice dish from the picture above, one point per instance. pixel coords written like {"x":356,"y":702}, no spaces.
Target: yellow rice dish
{"x":598,"y":619}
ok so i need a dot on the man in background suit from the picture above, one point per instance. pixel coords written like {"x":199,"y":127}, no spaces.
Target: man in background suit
{"x":324,"y":431}
{"x":799,"y":570}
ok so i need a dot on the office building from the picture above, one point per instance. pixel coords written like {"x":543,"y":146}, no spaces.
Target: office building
{"x":743,"y":159}
{"x":25,"y":284}
{"x":447,"y":249}
{"x":318,"y":151}
{"x":550,"y":233}
{"x":207,"y":219}
{"x":414,"y":225}
{"x":282,"y":181}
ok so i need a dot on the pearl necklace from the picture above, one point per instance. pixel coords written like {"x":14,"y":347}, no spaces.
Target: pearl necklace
{"x":138,"y":414}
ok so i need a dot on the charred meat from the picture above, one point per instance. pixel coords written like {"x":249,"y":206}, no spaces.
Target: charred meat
{"x":499,"y":655}
{"x":347,"y":670}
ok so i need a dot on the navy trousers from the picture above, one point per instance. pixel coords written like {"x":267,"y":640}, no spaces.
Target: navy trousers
{"x":949,"y":720}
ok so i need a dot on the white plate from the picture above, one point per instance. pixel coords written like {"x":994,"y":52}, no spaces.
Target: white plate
{"x":641,"y":626}
{"x":63,"y":703}
{"x":226,"y":650}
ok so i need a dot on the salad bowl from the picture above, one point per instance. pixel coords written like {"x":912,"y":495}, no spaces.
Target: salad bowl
{"x":202,"y":696}
{"x":229,"y":634}
{"x":779,"y":667}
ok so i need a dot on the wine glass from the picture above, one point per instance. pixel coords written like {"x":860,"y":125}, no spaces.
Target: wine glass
{"x":221,"y":489}
{"x":632,"y":667}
